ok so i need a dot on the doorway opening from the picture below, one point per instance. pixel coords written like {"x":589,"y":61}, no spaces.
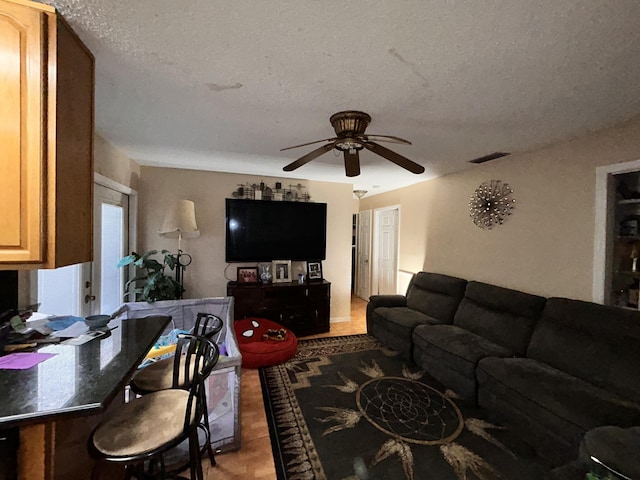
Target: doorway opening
{"x":376,"y":252}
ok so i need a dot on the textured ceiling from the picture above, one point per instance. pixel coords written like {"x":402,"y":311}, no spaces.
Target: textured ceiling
{"x":223,"y":85}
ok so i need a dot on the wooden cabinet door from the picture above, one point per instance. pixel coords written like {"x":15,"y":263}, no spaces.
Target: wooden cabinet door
{"x":21,"y":134}
{"x":70,"y":157}
{"x":46,"y":140}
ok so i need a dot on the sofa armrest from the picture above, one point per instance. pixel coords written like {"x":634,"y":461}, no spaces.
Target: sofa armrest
{"x":376,"y":301}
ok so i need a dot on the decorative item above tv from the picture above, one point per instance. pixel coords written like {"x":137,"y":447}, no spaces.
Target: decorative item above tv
{"x":261,"y":191}
{"x":266,"y":231}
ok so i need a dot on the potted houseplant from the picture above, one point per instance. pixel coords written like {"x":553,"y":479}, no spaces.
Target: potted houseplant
{"x":152,"y":283}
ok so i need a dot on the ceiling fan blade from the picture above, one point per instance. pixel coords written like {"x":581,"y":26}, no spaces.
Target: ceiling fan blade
{"x":308,"y":157}
{"x":385,"y":138}
{"x":352,"y":164}
{"x":396,"y":158}
{"x":310,"y":143}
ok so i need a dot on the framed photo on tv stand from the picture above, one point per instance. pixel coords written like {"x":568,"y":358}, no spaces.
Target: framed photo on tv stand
{"x":281,"y":271}
{"x":247,"y":275}
{"x":314,"y":271}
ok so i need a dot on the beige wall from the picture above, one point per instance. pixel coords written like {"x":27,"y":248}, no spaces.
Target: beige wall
{"x":208,"y":274}
{"x":545,"y":247}
{"x":337,"y":267}
{"x":114,"y":164}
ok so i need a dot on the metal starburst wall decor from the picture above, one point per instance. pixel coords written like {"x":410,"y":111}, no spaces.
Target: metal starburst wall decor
{"x":491,"y":204}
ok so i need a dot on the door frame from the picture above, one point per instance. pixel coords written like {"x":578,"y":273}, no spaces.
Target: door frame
{"x":359,"y":280}
{"x":133,"y":214}
{"x":375,"y":247}
{"x":133,"y":204}
{"x":604,"y":228}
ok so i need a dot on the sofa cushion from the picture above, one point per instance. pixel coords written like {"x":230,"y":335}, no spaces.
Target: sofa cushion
{"x":504,"y":316}
{"x":393,"y":326}
{"x":401,"y":320}
{"x":435,"y":295}
{"x":596,"y":343}
{"x":557,"y":400}
{"x":456,"y":346}
{"x":445,"y":349}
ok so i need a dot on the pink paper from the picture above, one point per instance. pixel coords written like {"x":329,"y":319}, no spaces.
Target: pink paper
{"x":23,"y":361}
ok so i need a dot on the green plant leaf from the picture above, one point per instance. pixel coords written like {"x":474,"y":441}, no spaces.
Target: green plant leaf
{"x":153,"y":265}
{"x":170,"y":261}
{"x":153,"y":284}
{"x":128,"y":260}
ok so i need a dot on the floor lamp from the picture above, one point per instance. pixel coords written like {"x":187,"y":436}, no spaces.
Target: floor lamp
{"x":180,"y":222}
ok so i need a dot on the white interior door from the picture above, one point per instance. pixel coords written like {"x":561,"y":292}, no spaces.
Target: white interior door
{"x":96,"y":287}
{"x":386,"y":251}
{"x":363,"y":277}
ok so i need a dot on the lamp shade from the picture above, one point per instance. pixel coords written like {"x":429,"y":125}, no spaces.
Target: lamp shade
{"x":180,"y":221}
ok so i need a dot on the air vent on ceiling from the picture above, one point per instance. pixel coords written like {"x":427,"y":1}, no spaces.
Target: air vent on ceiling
{"x":488,"y":158}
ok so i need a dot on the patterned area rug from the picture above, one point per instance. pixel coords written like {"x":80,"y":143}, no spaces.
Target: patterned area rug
{"x":346,"y":408}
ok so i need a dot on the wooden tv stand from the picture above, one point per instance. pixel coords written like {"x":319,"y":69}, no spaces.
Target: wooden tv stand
{"x":302,"y":308}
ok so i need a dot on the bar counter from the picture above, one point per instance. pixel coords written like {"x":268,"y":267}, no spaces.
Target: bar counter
{"x":57,"y":402}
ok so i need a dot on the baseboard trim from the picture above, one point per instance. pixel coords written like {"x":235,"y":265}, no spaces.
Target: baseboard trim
{"x":339,"y":319}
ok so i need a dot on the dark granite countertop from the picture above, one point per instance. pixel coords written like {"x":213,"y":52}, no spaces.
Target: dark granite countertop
{"x":78,"y":380}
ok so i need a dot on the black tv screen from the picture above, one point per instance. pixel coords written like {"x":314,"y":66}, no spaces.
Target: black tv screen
{"x":262,"y":231}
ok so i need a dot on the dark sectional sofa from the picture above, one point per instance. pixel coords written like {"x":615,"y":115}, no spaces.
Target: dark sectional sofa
{"x":431,"y":299}
{"x":552,"y":369}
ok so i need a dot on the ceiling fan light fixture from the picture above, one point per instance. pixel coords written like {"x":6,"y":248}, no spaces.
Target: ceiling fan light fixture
{"x":350,"y":145}
{"x":350,"y":123}
{"x":359,"y":193}
{"x":350,"y":139}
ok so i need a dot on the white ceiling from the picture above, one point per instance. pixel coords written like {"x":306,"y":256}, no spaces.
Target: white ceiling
{"x":224,"y":84}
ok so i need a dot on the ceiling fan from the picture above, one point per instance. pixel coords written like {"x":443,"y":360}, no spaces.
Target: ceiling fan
{"x":350,"y":126}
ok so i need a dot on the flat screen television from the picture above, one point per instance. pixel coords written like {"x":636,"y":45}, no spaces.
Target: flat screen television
{"x":262,"y":231}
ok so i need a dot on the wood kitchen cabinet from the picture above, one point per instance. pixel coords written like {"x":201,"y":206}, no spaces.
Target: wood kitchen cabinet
{"x":46,"y":139}
{"x":302,"y":308}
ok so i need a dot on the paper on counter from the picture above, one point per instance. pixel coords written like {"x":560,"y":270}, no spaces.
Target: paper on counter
{"x":84,"y":338}
{"x":39,"y":322}
{"x":72,"y":331}
{"x":23,"y":361}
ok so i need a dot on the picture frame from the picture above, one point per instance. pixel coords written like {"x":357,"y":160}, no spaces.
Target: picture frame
{"x":281,"y":270}
{"x":248,"y":275}
{"x":314,"y":271}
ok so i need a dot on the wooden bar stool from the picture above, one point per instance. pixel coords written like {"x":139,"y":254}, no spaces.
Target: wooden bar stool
{"x":159,"y":375}
{"x":140,"y":432}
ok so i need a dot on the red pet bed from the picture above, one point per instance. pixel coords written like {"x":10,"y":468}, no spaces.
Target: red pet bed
{"x":279,"y":345}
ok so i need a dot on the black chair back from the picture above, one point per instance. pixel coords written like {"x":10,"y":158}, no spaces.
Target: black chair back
{"x":194,"y":359}
{"x":207,"y":325}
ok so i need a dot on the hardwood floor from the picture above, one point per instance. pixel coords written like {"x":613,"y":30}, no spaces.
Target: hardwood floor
{"x":254,"y":459}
